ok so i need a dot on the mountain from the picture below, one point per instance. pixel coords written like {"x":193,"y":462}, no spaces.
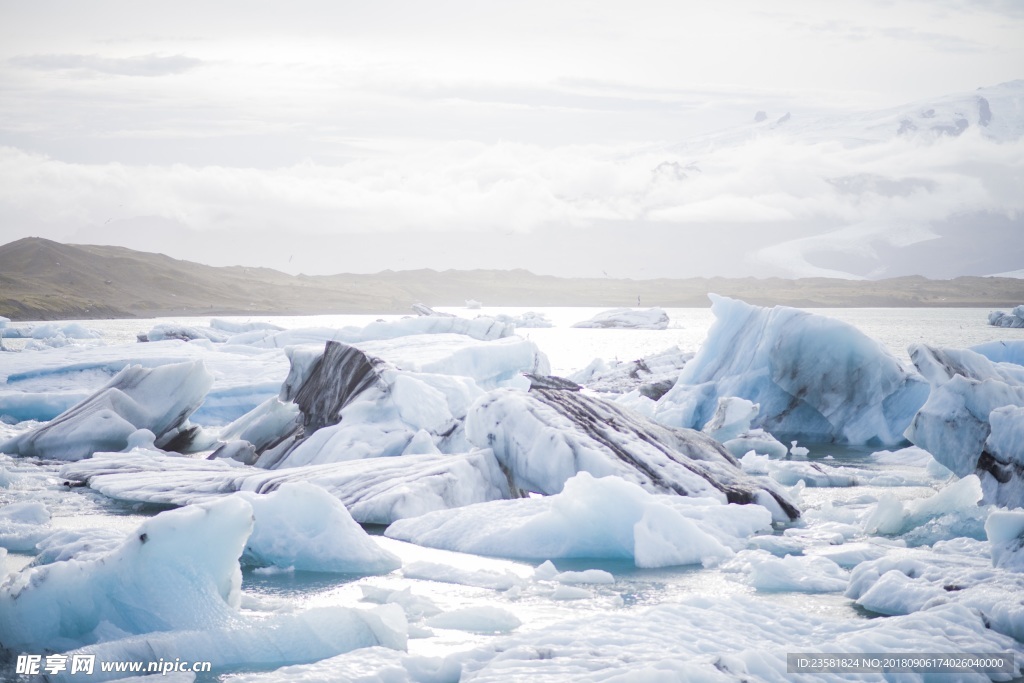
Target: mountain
{"x":43,"y":280}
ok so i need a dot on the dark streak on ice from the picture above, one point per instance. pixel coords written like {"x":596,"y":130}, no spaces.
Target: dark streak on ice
{"x":338,"y":376}
{"x":604,"y":421}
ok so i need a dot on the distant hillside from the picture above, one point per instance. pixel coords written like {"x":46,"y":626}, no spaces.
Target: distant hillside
{"x":45,"y":280}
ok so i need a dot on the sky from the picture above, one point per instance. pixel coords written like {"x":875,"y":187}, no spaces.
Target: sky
{"x":571,"y":138}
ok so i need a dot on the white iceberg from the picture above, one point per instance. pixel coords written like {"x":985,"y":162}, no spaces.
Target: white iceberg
{"x":1005,"y":532}
{"x":629,"y":319}
{"x":593,"y":518}
{"x":157,"y":400}
{"x":815,"y":378}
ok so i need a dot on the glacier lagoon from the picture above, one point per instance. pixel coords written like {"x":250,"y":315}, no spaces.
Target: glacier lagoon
{"x":891,"y":554}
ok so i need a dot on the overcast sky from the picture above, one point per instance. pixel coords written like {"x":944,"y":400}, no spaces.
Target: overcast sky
{"x":570,"y":138}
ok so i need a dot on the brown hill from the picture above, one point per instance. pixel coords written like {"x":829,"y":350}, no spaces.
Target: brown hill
{"x":43,"y":280}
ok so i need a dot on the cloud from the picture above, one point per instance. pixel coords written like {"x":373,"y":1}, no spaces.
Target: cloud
{"x":804,"y":194}
{"x":144,"y":65}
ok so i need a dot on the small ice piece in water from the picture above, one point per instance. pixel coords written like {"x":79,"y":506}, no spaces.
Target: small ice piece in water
{"x":798,"y":451}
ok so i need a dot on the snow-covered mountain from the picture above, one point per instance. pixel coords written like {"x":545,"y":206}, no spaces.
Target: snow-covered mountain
{"x":929,"y":188}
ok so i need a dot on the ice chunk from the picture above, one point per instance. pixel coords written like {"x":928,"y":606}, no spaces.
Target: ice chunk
{"x":165,"y":331}
{"x":972,"y":422}
{"x":920,"y":579}
{"x":179,"y":570}
{"x":793,"y":573}
{"x":605,"y":517}
{"x":158,"y":399}
{"x":1005,"y":531}
{"x":22,"y":525}
{"x":958,"y":500}
{"x":651,"y":376}
{"x":628,"y":318}
{"x":477,"y":619}
{"x":302,"y":526}
{"x":375,"y":491}
{"x":1003,"y":319}
{"x":732,"y":417}
{"x":444,"y":573}
{"x":816,"y":379}
{"x":525,"y":320}
{"x":545,"y":436}
{"x":354,"y":404}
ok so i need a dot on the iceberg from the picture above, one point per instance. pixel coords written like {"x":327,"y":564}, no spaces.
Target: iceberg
{"x":651,"y":376}
{"x":301,"y":526}
{"x":973,"y":421}
{"x":815,"y":378}
{"x":603,"y":517}
{"x":547,"y":435}
{"x":179,"y":570}
{"x":375,"y":491}
{"x":629,"y":319}
{"x":357,"y":403}
{"x":157,"y":401}
{"x":1014,"y":318}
